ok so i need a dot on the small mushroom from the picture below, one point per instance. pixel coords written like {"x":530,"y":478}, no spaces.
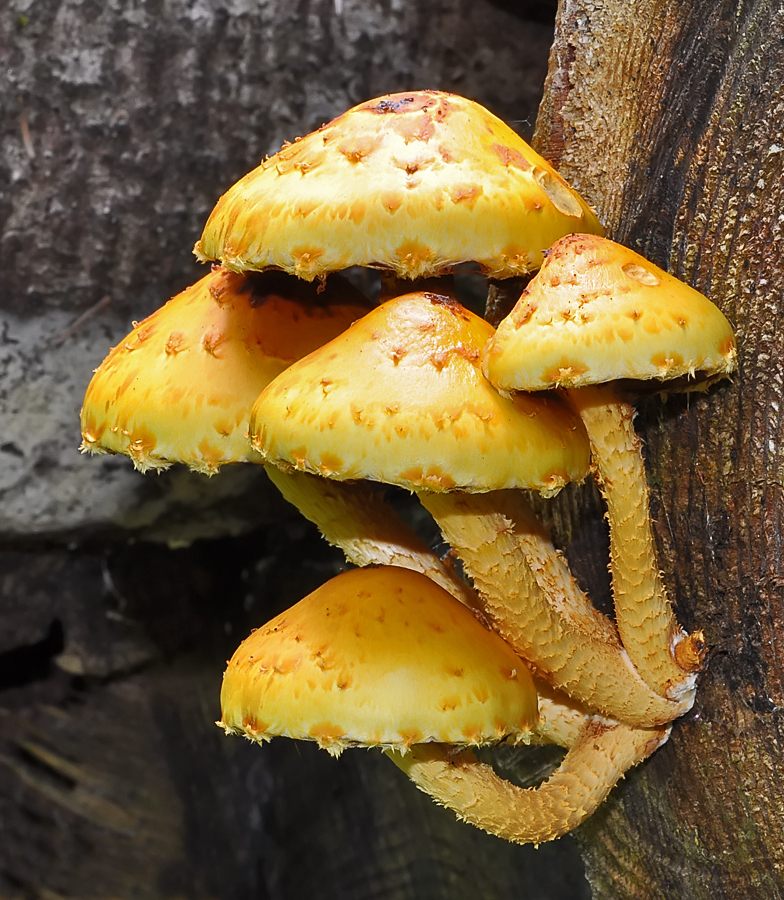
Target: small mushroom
{"x":600,"y":321}
{"x":399,"y":398}
{"x":414,"y":183}
{"x":383,"y":657}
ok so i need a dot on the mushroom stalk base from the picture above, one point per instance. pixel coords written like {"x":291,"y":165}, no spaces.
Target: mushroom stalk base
{"x":601,"y":755}
{"x":533,"y":602}
{"x":664,"y":655}
{"x":355,"y":518}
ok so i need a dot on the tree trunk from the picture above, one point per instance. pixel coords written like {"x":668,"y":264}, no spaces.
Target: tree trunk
{"x":668,"y":118}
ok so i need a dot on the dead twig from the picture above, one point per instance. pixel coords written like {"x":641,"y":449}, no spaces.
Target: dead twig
{"x":78,"y":322}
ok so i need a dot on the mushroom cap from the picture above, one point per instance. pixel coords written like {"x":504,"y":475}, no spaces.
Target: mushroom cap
{"x":400,"y":398}
{"x":597,"y":311}
{"x":415,"y":183}
{"x":378,"y":657}
{"x":180,"y":386}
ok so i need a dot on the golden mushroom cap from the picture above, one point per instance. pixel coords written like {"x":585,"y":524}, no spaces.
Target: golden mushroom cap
{"x":415,"y":183}
{"x":378,"y":657}
{"x":597,"y":311}
{"x":400,"y":398}
{"x":180,"y":386}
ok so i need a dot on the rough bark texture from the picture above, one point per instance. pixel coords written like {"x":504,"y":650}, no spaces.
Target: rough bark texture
{"x":120,"y":124}
{"x":669,"y":121}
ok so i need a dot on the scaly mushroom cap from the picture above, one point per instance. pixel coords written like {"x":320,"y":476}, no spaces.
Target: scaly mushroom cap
{"x":378,"y":657}
{"x":415,"y":183}
{"x":400,"y":398}
{"x":180,"y":387}
{"x":597,"y":311}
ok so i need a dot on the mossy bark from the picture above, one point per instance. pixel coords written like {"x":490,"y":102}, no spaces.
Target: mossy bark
{"x":669,"y":121}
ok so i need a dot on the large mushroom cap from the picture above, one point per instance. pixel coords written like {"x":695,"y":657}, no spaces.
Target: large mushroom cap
{"x":377,"y":657}
{"x":415,"y":183}
{"x":597,"y":311}
{"x":400,"y":398}
{"x":180,"y":386}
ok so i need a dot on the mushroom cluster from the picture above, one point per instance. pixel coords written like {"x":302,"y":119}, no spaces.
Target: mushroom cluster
{"x":274,"y":358}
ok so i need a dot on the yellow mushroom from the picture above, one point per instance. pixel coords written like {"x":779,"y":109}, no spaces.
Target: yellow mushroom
{"x":599,"y":319}
{"x":383,"y":657}
{"x":415,"y":183}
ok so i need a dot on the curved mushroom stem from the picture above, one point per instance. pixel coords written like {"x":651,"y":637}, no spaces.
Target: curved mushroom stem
{"x":533,"y":602}
{"x":603,"y":752}
{"x":666,"y":657}
{"x":561,"y":719}
{"x":354,"y":517}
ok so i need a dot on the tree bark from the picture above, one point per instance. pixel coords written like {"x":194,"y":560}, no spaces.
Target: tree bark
{"x":668,"y":119}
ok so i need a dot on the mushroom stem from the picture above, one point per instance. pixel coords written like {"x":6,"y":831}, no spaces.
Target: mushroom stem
{"x":666,"y":657}
{"x":561,"y":719}
{"x":355,"y":518}
{"x":534,"y":603}
{"x":601,"y":755}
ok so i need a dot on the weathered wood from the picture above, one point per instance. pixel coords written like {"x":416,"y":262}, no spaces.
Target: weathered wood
{"x":669,"y":121}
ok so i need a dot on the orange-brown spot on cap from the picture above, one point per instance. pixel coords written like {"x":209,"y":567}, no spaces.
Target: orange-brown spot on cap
{"x":391,"y":200}
{"x":727,"y":346}
{"x":330,"y":464}
{"x":433,"y":478}
{"x":251,"y":724}
{"x":415,"y":128}
{"x":414,"y":254}
{"x":299,"y":456}
{"x":472,"y":734}
{"x":397,"y":353}
{"x":410,"y":736}
{"x":211,"y":342}
{"x":567,"y":372}
{"x":448,"y":704}
{"x":357,"y":211}
{"x":510,"y":674}
{"x":466,"y":194}
{"x":455,"y":671}
{"x":510,"y":156}
{"x":358,"y":147}
{"x":304,"y":208}
{"x":666,"y":362}
{"x":440,"y":357}
{"x":145,"y":332}
{"x":141,"y":440}
{"x":326,"y":732}
{"x":91,"y":431}
{"x":175,"y":343}
{"x":210,"y":453}
{"x":306,"y":258}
